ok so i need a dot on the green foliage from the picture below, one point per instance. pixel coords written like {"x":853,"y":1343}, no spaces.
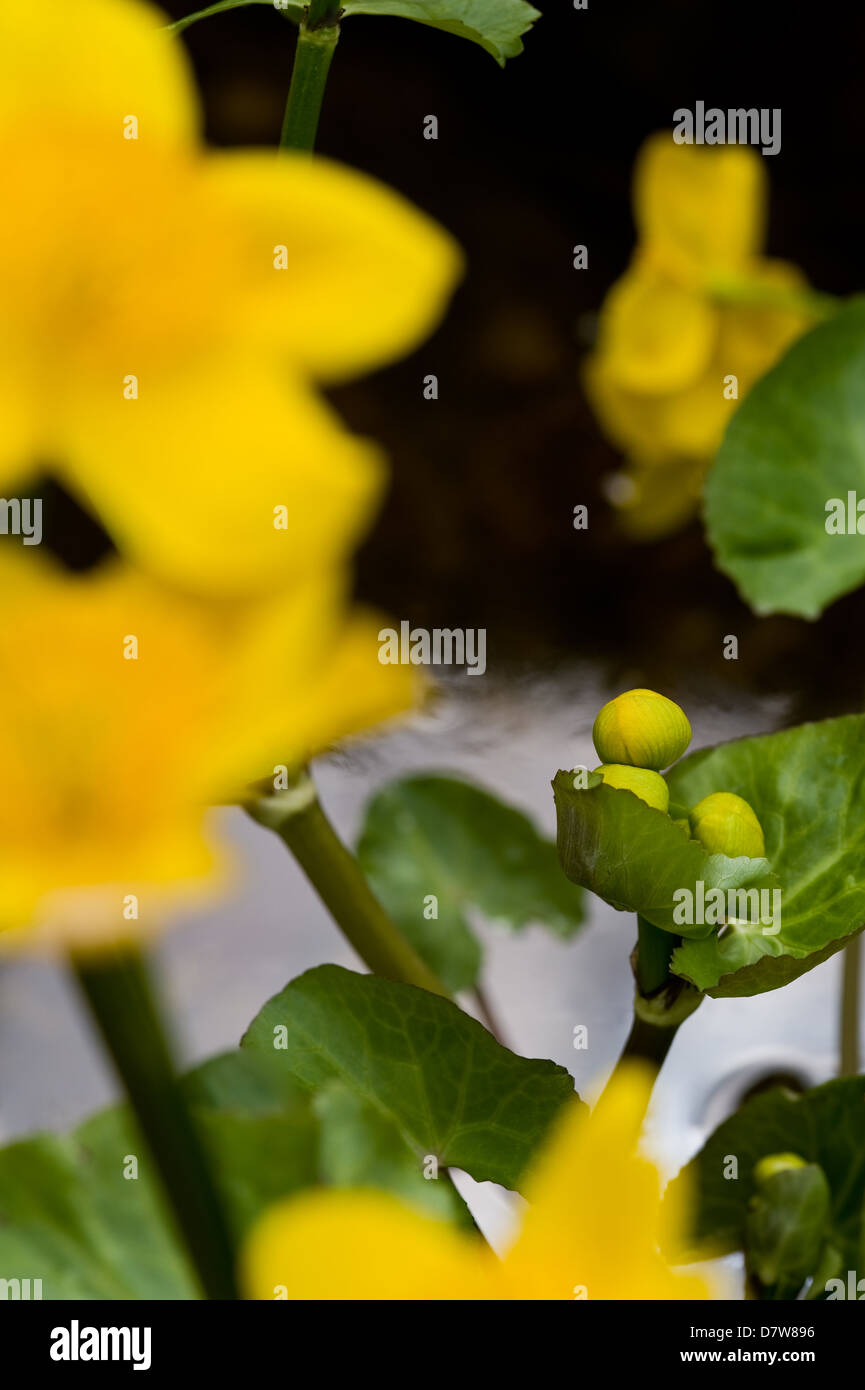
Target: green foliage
{"x":826,"y":1127}
{"x":497,"y":25}
{"x":797,"y":441}
{"x":634,"y":857}
{"x":807,"y":788}
{"x":70,"y":1215}
{"x":786,"y":1231}
{"x":441,"y":836}
{"x":450,"y":1089}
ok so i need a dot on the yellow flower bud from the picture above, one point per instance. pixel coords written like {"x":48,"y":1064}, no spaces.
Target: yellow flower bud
{"x":648,"y":786}
{"x":776,"y":1163}
{"x":726,"y":824}
{"x":641,"y":729}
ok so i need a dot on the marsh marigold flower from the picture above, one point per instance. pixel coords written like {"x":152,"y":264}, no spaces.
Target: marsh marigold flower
{"x":126,"y":710}
{"x":166,"y":313}
{"x":591,"y":1230}
{"x":677,"y":324}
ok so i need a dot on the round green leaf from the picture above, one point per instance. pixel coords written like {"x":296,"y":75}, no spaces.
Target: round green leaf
{"x":442,"y":1079}
{"x":797,"y":441}
{"x":807,"y":787}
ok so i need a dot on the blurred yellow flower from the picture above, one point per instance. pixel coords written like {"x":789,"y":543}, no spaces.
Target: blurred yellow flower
{"x":164,"y":312}
{"x":125,"y":710}
{"x":591,"y":1230}
{"x":697,"y":307}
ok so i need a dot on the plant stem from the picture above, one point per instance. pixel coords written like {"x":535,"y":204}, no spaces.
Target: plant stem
{"x":850,"y":1000}
{"x":312,"y":60}
{"x":654,"y":952}
{"x":662,"y":1003}
{"x":298,"y":819}
{"x":646,"y":1042}
{"x":118,"y":992}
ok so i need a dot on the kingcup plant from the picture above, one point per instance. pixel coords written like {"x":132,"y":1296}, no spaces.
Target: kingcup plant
{"x":212,"y":655}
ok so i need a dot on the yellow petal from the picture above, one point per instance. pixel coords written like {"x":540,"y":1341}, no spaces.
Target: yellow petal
{"x":594,"y":1217}
{"x":699,"y":208}
{"x":362,"y":1245}
{"x":86,"y":65}
{"x":368,"y":275}
{"x":752,"y":338}
{"x":655,"y":335}
{"x":224,"y":478}
{"x":125,"y":708}
{"x":324,"y":682}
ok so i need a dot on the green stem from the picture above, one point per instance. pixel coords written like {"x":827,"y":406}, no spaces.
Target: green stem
{"x":850,"y":1000}
{"x":662,"y":1003}
{"x":646,"y":1042}
{"x":312,"y":60}
{"x":654,"y":953}
{"x":298,"y":819}
{"x":118,"y":992}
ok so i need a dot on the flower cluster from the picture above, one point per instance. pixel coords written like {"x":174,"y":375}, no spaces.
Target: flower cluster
{"x":639,"y":733}
{"x":697,"y":318}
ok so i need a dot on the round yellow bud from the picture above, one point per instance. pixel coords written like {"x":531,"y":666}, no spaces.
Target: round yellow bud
{"x":641,"y":729}
{"x":648,"y":786}
{"x":776,"y":1163}
{"x":726,"y":824}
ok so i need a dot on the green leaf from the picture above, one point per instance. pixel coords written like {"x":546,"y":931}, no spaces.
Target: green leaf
{"x":443,"y":836}
{"x":442,"y":1079}
{"x":497,"y":25}
{"x":291,"y":11}
{"x":635,"y":858}
{"x":786,"y":1230}
{"x":825,"y":1126}
{"x":362,"y":1147}
{"x":797,"y":441}
{"x":807,"y":787}
{"x":69,"y":1217}
{"x":259,"y":1129}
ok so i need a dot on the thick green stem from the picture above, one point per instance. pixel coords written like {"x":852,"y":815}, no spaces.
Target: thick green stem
{"x":298,"y":819}
{"x":662,"y":1003}
{"x":850,"y":1002}
{"x":312,"y":60}
{"x":118,"y":991}
{"x":654,"y":953}
{"x":646,"y":1042}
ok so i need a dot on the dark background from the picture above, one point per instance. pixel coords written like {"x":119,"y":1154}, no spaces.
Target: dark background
{"x":531,"y":160}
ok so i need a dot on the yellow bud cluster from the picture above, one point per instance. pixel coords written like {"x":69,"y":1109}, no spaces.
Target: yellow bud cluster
{"x":639,"y":733}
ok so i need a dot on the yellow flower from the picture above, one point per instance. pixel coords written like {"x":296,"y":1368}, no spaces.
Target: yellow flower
{"x":125,"y":710}
{"x":592,"y":1229}
{"x":671,"y":334}
{"x":166,"y":313}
